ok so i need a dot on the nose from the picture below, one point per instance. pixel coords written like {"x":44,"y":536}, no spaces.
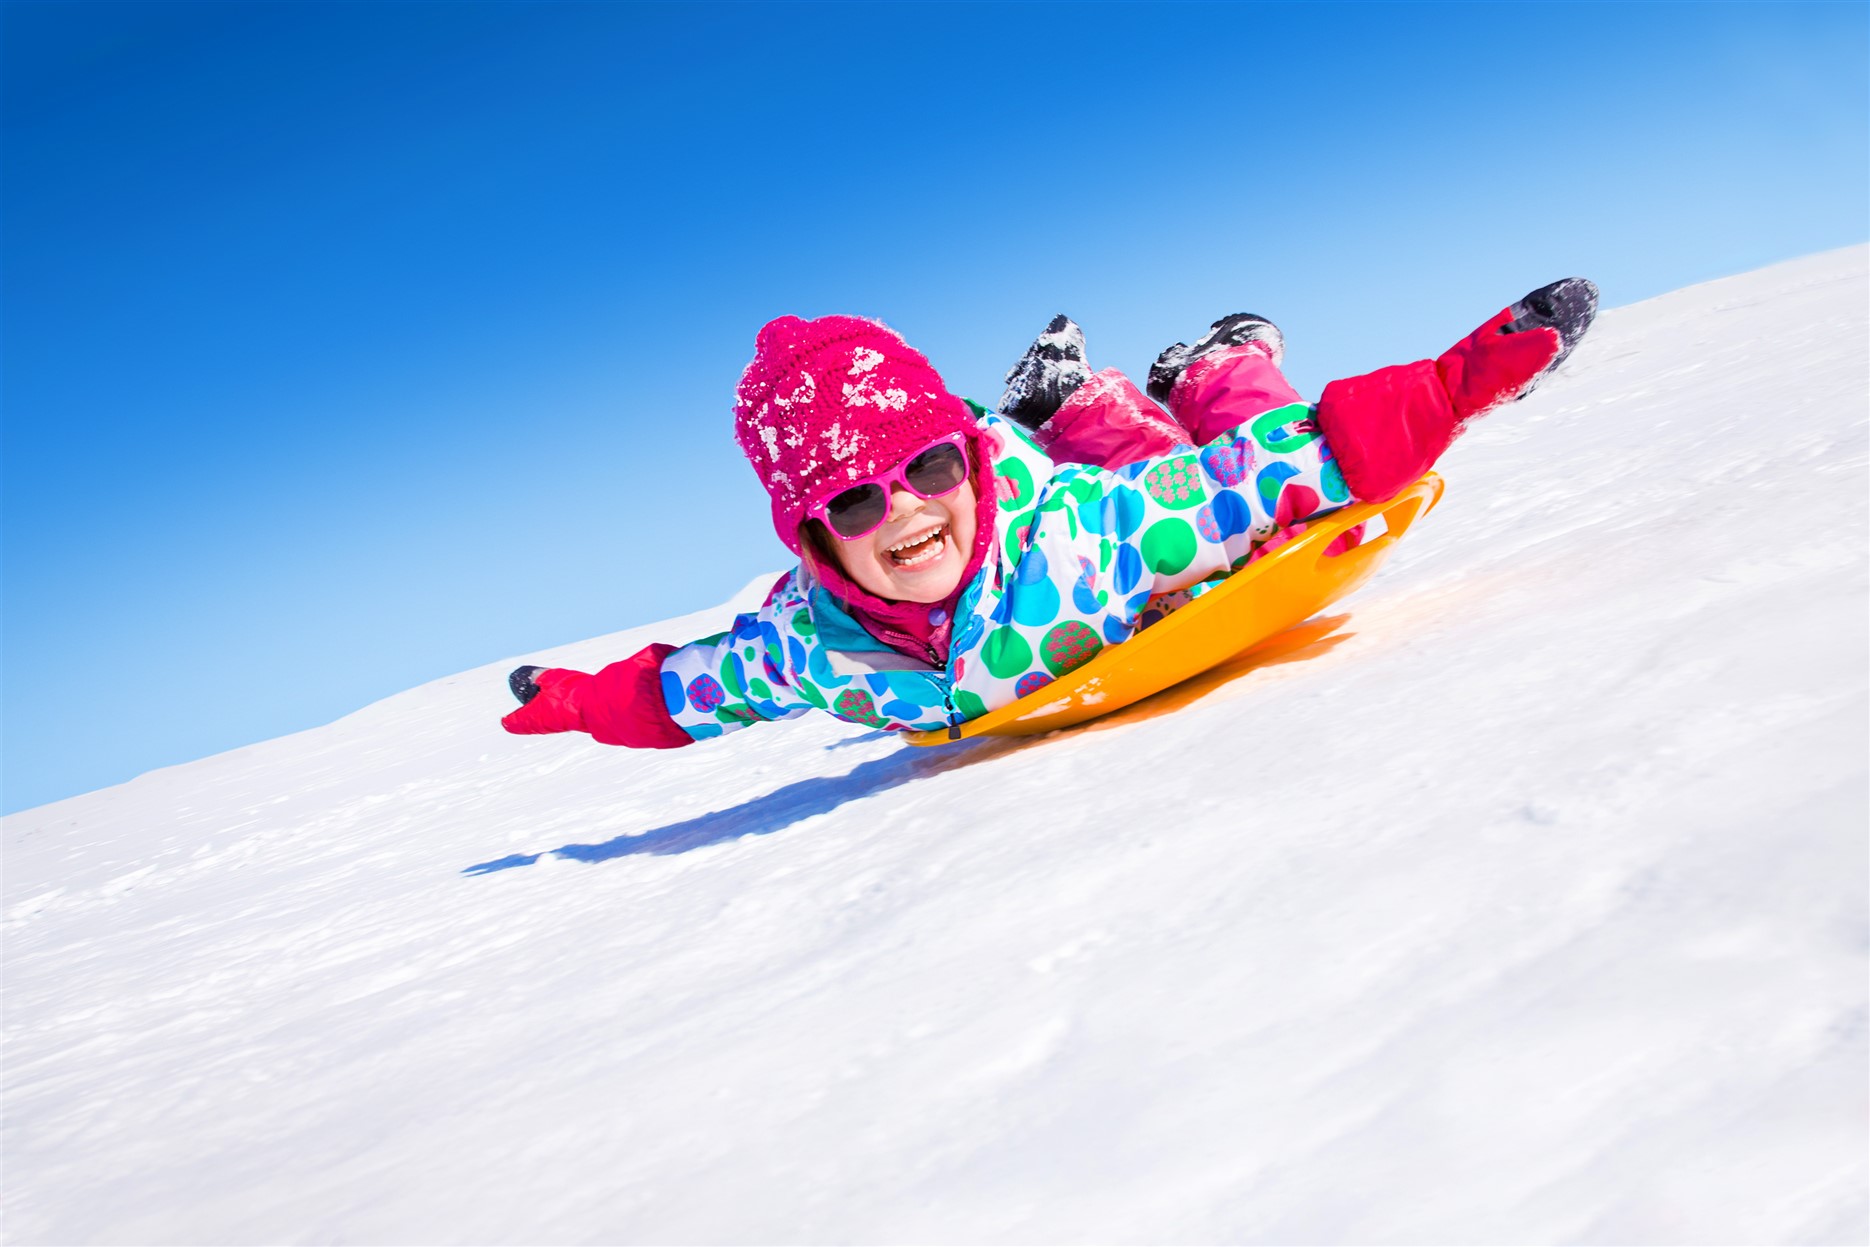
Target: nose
{"x":903,"y":503}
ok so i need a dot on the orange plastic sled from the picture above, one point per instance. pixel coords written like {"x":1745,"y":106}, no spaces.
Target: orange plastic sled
{"x":1260,"y":601}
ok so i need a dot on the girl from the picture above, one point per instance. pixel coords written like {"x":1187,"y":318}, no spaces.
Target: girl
{"x":953,"y":560}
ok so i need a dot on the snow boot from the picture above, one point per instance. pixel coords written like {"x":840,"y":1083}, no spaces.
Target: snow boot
{"x":1388,"y":427}
{"x":1235,"y":330}
{"x":1048,"y":373}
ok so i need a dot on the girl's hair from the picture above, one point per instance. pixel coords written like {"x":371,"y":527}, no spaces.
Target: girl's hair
{"x":815,"y":545}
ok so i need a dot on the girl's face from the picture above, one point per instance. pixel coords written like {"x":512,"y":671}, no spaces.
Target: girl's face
{"x":921,"y":550}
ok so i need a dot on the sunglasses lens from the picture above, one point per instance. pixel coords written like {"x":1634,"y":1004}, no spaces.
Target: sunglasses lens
{"x":936,"y":470}
{"x":858,"y":510}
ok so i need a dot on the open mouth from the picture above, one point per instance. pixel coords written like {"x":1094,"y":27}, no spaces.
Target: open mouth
{"x":920,"y":549}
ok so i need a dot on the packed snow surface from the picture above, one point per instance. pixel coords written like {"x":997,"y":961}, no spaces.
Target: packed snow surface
{"x":1526,"y":903}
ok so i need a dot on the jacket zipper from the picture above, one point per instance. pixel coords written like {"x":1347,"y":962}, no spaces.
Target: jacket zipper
{"x":954,"y":716}
{"x":890,"y":638}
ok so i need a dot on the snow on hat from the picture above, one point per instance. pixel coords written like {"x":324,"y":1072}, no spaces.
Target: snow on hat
{"x":828,"y":402}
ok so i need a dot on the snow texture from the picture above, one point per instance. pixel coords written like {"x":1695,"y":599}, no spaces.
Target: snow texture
{"x":1526,"y":904}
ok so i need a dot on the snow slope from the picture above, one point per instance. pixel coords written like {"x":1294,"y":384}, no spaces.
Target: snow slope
{"x":1528,"y":904}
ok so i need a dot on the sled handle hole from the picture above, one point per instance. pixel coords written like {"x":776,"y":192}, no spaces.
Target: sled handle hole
{"x":1365,"y":536}
{"x":1380,"y":529}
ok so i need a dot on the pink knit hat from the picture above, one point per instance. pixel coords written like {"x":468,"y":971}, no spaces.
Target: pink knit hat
{"x":831,"y":401}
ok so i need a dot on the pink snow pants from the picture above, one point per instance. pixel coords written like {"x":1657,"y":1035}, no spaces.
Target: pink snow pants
{"x":1108,"y":422}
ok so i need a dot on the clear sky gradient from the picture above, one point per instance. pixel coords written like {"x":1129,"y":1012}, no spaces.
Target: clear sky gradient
{"x":350,"y":345}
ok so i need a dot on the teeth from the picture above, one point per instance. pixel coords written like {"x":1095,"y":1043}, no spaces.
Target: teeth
{"x":932,"y":544}
{"x":917,"y":540}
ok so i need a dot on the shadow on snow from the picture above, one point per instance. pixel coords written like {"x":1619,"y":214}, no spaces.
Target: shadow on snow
{"x":779,"y":808}
{"x":806,"y":798}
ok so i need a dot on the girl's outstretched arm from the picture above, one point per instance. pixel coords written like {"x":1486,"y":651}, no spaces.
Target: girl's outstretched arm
{"x":1390,"y":426}
{"x":667,"y":696}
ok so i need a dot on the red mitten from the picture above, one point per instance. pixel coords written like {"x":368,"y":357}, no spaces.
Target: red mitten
{"x":1496,"y":364}
{"x":620,"y":705}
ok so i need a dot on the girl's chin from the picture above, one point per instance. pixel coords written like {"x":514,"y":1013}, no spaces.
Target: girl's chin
{"x":923,"y":592}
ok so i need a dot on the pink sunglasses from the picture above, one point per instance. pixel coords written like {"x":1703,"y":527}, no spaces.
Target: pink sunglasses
{"x":859,"y":510}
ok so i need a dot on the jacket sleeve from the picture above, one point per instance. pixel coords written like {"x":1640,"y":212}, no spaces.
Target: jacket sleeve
{"x":725,"y":682}
{"x":666,"y":696}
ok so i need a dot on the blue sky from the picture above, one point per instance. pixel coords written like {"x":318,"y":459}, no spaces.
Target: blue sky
{"x":349,"y":346}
